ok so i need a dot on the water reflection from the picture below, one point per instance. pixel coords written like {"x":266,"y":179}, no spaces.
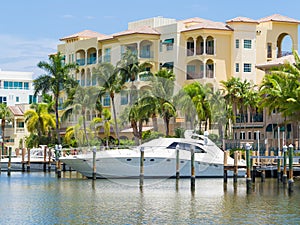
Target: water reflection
{"x":41,"y":198}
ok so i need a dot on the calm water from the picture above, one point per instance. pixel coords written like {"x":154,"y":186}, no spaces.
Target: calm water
{"x":39,"y":198}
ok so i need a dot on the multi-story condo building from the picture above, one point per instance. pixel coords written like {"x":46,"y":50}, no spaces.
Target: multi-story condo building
{"x":196,"y":49}
{"x":17,"y":92}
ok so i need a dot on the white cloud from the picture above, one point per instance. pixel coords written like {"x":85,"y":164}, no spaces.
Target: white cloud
{"x":19,"y":54}
{"x":68,"y":16}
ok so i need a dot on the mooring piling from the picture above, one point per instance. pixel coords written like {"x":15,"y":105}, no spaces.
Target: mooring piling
{"x":177,"y":163}
{"x":248,"y":166}
{"x":94,"y":163}
{"x":9,"y":162}
{"x":142,"y":167}
{"x":28,"y":160}
{"x":192,"y":168}
{"x":291,"y":181}
{"x":284,"y":176}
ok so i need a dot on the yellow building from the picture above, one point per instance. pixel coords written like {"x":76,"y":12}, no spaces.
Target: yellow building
{"x":197,"y":49}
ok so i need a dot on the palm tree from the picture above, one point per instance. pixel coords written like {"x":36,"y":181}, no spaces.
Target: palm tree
{"x":105,"y":119}
{"x":280,"y":89}
{"x":199,"y":97}
{"x":130,"y":68}
{"x":163,"y":89}
{"x":5,"y":115}
{"x":81,"y":101}
{"x":56,"y":80}
{"x":109,"y":79}
{"x":219,"y":115}
{"x":38,"y":120}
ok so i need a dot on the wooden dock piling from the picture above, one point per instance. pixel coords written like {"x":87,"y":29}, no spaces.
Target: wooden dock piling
{"x":291,"y":181}
{"x":226,"y":153}
{"x":28,"y":160}
{"x":248,"y":164}
{"x":192,"y":168}
{"x":94,"y":163}
{"x":142,"y":167}
{"x":284,"y":176}
{"x":9,"y":162}
{"x":177,"y":163}
{"x":235,"y":169}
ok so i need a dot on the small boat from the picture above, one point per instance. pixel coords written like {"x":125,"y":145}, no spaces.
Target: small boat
{"x":36,"y":160}
{"x":159,"y":159}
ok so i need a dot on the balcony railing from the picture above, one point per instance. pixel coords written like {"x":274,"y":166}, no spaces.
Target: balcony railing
{"x":80,"y":62}
{"x":20,"y":130}
{"x":146,"y":54}
{"x":91,"y":60}
{"x":194,"y":75}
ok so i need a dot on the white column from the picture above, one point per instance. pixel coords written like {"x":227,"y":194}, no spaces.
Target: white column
{"x":204,"y":69}
{"x":204,"y":46}
{"x":195,"y":45}
{"x":85,"y":57}
{"x":15,"y":125}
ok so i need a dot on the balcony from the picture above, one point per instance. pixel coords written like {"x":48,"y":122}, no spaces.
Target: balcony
{"x":194,"y":75}
{"x":91,"y":60}
{"x":146,"y":54}
{"x":80,"y":62}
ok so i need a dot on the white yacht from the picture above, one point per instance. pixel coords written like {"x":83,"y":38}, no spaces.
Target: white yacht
{"x":159,"y":159}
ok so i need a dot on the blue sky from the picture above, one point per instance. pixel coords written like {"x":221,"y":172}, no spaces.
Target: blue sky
{"x":30,"y":30}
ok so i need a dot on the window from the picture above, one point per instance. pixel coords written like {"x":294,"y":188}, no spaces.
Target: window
{"x":247,"y":67}
{"x":169,"y":44}
{"x":247,"y":43}
{"x":191,"y":72}
{"x":20,"y":124}
{"x":32,"y":99}
{"x":17,"y":99}
{"x":237,"y":43}
{"x":269,"y":50}
{"x":124,"y":97}
{"x":242,"y":135}
{"x":106,"y":100}
{"x":160,"y":46}
{"x":26,"y":85}
{"x":107,"y":56}
{"x":3,"y":99}
{"x":249,"y":135}
{"x":237,"y":67}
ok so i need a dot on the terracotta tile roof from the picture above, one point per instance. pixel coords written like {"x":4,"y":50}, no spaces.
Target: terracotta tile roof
{"x":276,"y":62}
{"x":204,"y":24}
{"x":16,"y":110}
{"x":278,"y":18}
{"x":84,"y":34}
{"x":139,"y":30}
{"x":241,"y":19}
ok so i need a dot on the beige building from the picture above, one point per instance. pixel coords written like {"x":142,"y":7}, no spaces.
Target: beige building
{"x":196,"y":49}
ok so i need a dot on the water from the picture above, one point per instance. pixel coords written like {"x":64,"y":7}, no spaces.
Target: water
{"x":41,"y":198}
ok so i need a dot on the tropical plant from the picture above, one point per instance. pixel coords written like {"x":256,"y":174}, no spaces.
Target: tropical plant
{"x":81,"y":101}
{"x":130,"y":68}
{"x":163,"y":84}
{"x":55,"y":81}
{"x":199,"y":97}
{"x":39,"y":121}
{"x":280,"y":89}
{"x":5,"y":115}
{"x":108,"y":77}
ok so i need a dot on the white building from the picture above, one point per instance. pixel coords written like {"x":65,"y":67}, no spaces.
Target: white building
{"x":16,"y":91}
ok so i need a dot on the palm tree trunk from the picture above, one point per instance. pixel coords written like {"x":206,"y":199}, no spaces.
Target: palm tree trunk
{"x":154,"y":121}
{"x":84,"y":128}
{"x":115,"y":118}
{"x":57,"y":121}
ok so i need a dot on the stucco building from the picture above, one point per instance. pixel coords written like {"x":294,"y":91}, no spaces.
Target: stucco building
{"x":196,"y":49}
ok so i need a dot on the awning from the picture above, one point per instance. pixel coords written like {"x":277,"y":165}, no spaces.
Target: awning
{"x":168,"y":41}
{"x":168,"y":65}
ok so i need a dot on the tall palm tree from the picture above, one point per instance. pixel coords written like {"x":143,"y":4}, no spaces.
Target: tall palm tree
{"x":280,"y":89}
{"x":38,"y":120}
{"x":82,"y":100}
{"x":130,"y":67}
{"x":109,"y":79}
{"x":5,"y":115}
{"x":162,"y":85}
{"x":199,"y":97}
{"x":54,"y":81}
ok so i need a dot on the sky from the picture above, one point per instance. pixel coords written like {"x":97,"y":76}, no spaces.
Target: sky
{"x":30,"y":30}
